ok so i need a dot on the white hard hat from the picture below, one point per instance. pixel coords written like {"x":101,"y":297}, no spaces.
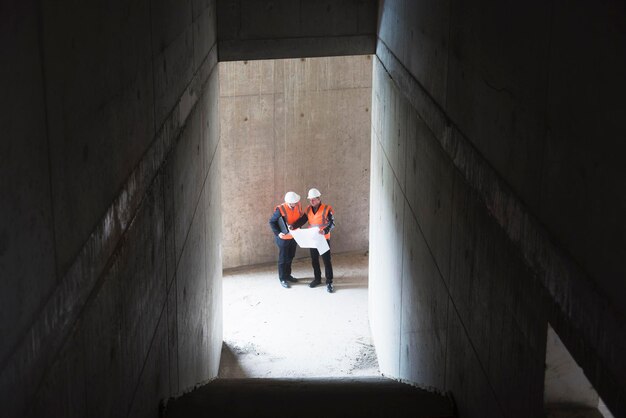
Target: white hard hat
{"x":292,"y":197}
{"x":313,"y":193}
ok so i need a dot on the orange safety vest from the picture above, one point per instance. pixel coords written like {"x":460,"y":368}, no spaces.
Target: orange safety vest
{"x":319,"y":218}
{"x":290,"y":215}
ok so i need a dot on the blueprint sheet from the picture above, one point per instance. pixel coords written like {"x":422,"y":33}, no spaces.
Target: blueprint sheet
{"x":310,"y":238}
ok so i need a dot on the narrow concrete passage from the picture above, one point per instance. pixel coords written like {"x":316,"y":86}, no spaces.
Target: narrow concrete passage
{"x":302,"y":352}
{"x":270,"y":331}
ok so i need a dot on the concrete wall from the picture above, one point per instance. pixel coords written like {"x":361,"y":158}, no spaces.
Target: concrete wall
{"x":110,"y":212}
{"x":565,"y":382}
{"x":291,"y":125}
{"x":495,"y":193}
{"x":494,"y":197}
{"x":250,"y":29}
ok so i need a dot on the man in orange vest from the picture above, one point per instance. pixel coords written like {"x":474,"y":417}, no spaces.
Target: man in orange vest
{"x":283,"y":216}
{"x":321,"y":216}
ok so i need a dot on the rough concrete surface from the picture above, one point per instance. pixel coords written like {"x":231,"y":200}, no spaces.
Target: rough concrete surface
{"x":582,"y":171}
{"x":292,"y":125}
{"x":496,"y":94}
{"x":273,"y":332}
{"x":510,"y":177}
{"x":26,"y":224}
{"x":532,"y":220}
{"x":461,"y":286}
{"x":95,"y":139}
{"x":422,"y":345}
{"x":109,"y":144}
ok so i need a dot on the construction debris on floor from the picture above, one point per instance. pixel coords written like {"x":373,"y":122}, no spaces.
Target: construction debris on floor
{"x":270,"y":331}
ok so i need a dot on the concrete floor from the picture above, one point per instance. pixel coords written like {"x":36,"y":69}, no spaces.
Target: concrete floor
{"x":302,"y":352}
{"x":274,"y":332}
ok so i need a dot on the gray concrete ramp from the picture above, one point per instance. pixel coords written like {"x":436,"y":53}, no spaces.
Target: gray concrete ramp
{"x":302,"y":398}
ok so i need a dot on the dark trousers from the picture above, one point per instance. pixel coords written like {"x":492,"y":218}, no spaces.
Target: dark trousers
{"x":286,"y":253}
{"x":328,"y":265}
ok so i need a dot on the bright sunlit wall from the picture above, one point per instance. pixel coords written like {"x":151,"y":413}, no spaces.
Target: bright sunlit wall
{"x":291,"y":125}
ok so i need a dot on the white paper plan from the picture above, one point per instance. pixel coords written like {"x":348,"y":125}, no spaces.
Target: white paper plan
{"x":310,"y":238}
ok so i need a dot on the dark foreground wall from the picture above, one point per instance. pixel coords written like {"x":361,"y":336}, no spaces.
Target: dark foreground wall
{"x":110,"y":210}
{"x":252,"y":29}
{"x":496,"y":200}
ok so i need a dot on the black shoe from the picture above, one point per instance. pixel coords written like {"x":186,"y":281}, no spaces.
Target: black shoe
{"x":292,"y":279}
{"x":315,"y":283}
{"x":330,"y":288}
{"x":284,"y":284}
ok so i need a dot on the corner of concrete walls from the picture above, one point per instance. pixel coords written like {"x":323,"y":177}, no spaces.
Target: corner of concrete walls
{"x":133,"y":312}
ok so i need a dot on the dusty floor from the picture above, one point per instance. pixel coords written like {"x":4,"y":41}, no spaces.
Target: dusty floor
{"x":270,"y":331}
